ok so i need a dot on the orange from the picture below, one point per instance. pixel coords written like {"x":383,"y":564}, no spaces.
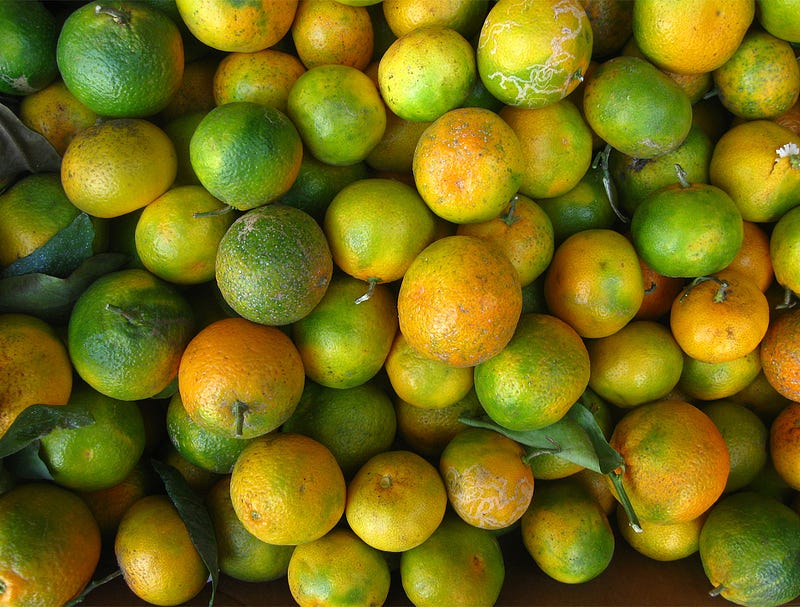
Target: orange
{"x":640,"y":363}
{"x":711,"y":381}
{"x":56,"y":114}
{"x":636,"y":108}
{"x":233,"y":132}
{"x":121,"y":59}
{"x":717,"y":29}
{"x":127,"y":333}
{"x":395,"y":501}
{"x":236,"y":27}
{"x":523,"y":232}
{"x":28,"y":61}
{"x":754,"y":258}
{"x":273,"y":265}
{"x":49,"y":545}
{"x":761,"y":397}
{"x":720,"y":317}
{"x":784,"y":250}
{"x":757,"y":162}
{"x":459,"y":301}
{"x":180,"y":131}
{"x":780,"y":19}
{"x":533,"y":54}
{"x":118,"y":166}
{"x":198,"y":479}
{"x":338,"y":569}
{"x":395,"y":151}
{"x":376,"y":227}
{"x":464,"y":16}
{"x":155,"y":553}
{"x":784,"y":444}
{"x":264,"y":77}
{"x":196,"y":91}
{"x":676,"y":461}
{"x":557,"y":146}
{"x":659,"y":293}
{"x":790,"y":118}
{"x":287,"y":489}
{"x":612,"y":26}
{"x":662,"y":542}
{"x":328,"y":32}
{"x":427,"y":72}
{"x":488,"y":483}
{"x":761,"y":79}
{"x":455,"y":551}
{"x":339,"y":113}
{"x":455,"y":158}
{"x":238,"y":391}
{"x":594,"y":282}
{"x":597,"y":484}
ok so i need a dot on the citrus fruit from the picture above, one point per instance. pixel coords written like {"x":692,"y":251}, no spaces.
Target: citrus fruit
{"x":594,"y":282}
{"x":127,"y":333}
{"x":761,"y":398}
{"x":455,"y":551}
{"x":557,"y":146}
{"x":780,"y":357}
{"x":676,"y":460}
{"x":662,"y":542}
{"x":287,"y":489}
{"x":196,"y":91}
{"x":395,"y":501}
{"x":50,"y":545}
{"x":523,"y":232}
{"x":567,"y":533}
{"x":636,"y":108}
{"x":686,"y":230}
{"x":517,"y":386}
{"x":354,"y":423}
{"x":761,"y":79}
{"x":533,"y":54}
{"x":198,"y":479}
{"x":659,"y":293}
{"x":240,"y":379}
{"x":98,"y":455}
{"x":117,"y":166}
{"x":274,"y":265}
{"x":784,"y":444}
{"x":612,"y":26}
{"x":120,"y":59}
{"x":237,"y":27}
{"x":339,"y":113}
{"x":242,"y":555}
{"x":264,"y":77}
{"x":427,"y":72}
{"x":719,"y":318}
{"x":748,"y":546}
{"x":754,"y":258}
{"x":395,"y":151}
{"x":746,"y":437}
{"x":28,"y":59}
{"x":178,"y":234}
{"x":780,"y":19}
{"x":155,"y":553}
{"x":180,"y":131}
{"x":329,"y":32}
{"x":717,"y":29}
{"x":456,"y":155}
{"x":404,"y":16}
{"x":488,"y":483}
{"x":639,"y":363}
{"x":711,"y":381}
{"x":459,"y":301}
{"x":246,"y":154}
{"x":784,"y":250}
{"x":376,"y":227}
{"x":338,"y":569}
{"x":757,"y":162}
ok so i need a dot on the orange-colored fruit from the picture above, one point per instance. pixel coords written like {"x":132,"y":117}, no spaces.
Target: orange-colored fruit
{"x":662,"y":542}
{"x":612,"y":26}
{"x":464,"y":16}
{"x":329,"y":32}
{"x":780,"y":354}
{"x":264,"y":77}
{"x":659,"y":293}
{"x":754,"y":258}
{"x":711,"y":381}
{"x":784,"y":444}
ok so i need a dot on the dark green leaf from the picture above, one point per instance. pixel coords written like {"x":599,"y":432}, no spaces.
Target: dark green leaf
{"x":35,"y":421}
{"x":60,"y":255}
{"x":26,"y":463}
{"x":91,"y":586}
{"x":22,"y":149}
{"x":196,"y":517}
{"x":608,"y":458}
{"x":49,"y":297}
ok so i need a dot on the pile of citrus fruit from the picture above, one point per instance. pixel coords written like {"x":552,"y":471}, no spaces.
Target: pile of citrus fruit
{"x":352,"y":294}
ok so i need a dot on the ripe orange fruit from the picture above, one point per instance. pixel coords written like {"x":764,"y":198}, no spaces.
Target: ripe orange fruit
{"x":239,"y":378}
{"x":328,"y":32}
{"x":594,"y":282}
{"x":780,"y":354}
{"x":636,"y":108}
{"x":717,"y":29}
{"x":659,"y":293}
{"x":662,"y":542}
{"x":246,"y":28}
{"x":754,"y":258}
{"x":784,"y":250}
{"x":459,"y":301}
{"x":533,"y":54}
{"x":464,"y":16}
{"x":394,"y":153}
{"x":196,"y":91}
{"x":488,"y":483}
{"x":720,"y":317}
{"x":534,"y":380}
{"x":121,"y":59}
{"x":468,"y":165}
{"x":49,"y":545}
{"x":711,"y":381}
{"x":784,"y":444}
{"x":676,"y":460}
{"x":395,"y":501}
{"x":612,"y":26}
{"x":28,"y":59}
{"x":287,"y":489}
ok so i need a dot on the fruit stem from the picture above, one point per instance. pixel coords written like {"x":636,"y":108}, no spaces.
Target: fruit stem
{"x":119,"y":16}
{"x":601,"y":160}
{"x":633,"y":519}
{"x":789,"y":300}
{"x":129,"y":316}
{"x":720,"y":294}
{"x":717,"y":590}
{"x":239,"y":409}
{"x":791,"y":151}
{"x":510,"y":218}
{"x":226,"y":209}
{"x":370,"y":290}
{"x":682,"y":176}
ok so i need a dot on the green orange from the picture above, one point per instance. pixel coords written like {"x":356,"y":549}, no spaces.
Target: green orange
{"x":784,"y":248}
{"x":28,"y":59}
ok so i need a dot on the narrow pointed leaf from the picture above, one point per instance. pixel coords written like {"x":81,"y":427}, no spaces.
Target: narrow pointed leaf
{"x":36,"y":421}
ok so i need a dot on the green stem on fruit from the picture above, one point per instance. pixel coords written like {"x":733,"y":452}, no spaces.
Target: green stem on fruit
{"x":119,"y":16}
{"x":91,"y":586}
{"x":624,"y":500}
{"x":126,"y":314}
{"x":717,"y":590}
{"x":371,"y":282}
{"x":601,"y":160}
{"x":720,"y":294}
{"x":652,"y":288}
{"x":789,"y":300}
{"x":222,"y":211}
{"x":682,"y":176}
{"x":239,"y":409}
{"x":510,"y":218}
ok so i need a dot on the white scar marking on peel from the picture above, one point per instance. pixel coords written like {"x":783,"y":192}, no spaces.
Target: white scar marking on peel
{"x":498,"y":495}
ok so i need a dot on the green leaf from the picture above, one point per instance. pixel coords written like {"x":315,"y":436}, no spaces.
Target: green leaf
{"x":91,"y":586}
{"x":196,"y":517}
{"x":22,"y":149}
{"x":26,"y":463}
{"x":36,"y":421}
{"x":607,"y":457}
{"x":49,"y":297}
{"x":60,"y":255}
